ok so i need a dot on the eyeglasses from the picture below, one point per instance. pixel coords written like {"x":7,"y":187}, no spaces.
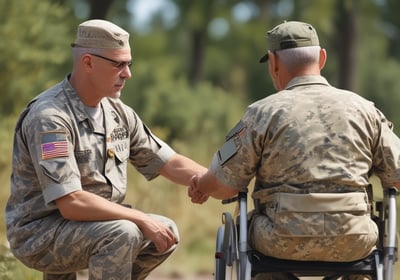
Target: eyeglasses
{"x":117,"y":64}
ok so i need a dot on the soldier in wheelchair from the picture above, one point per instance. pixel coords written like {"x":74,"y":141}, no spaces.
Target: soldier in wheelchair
{"x":311,"y":149}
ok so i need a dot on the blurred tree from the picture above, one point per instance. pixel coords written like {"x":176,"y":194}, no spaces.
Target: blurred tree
{"x":195,"y":16}
{"x":379,"y":68}
{"x":345,"y":41}
{"x":34,"y":47}
{"x":99,"y":8}
{"x":390,"y":24}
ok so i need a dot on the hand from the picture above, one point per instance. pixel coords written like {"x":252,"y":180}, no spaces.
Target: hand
{"x":194,"y":193}
{"x":162,"y":237}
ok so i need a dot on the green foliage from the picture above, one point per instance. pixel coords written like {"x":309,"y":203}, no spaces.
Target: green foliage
{"x":33,"y":44}
{"x":183,"y":112}
{"x":382,"y":86}
{"x":6,"y":136}
{"x":7,"y":264}
{"x":178,"y":112}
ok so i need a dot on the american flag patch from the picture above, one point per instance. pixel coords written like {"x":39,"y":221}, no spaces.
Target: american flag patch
{"x":54,"y":145}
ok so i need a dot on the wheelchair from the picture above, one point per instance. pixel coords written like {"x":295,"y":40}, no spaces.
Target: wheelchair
{"x":235,"y":260}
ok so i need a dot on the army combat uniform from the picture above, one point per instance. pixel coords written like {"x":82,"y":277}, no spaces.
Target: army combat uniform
{"x":311,"y":149}
{"x":59,"y":149}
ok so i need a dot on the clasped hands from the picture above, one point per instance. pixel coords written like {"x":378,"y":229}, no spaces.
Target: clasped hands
{"x":194,"y":193}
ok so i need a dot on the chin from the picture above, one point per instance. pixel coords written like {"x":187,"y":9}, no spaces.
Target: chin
{"x":116,"y":95}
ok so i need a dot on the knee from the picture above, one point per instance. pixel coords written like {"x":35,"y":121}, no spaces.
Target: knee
{"x":169,"y":223}
{"x":125,"y":232}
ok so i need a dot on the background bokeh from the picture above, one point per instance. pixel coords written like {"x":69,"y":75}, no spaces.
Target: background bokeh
{"x":195,"y":69}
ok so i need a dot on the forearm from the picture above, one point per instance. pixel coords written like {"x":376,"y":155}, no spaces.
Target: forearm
{"x":86,"y":206}
{"x":179,"y":169}
{"x":209,"y":184}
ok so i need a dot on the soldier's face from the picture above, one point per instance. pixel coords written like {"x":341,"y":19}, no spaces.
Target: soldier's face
{"x":112,"y":72}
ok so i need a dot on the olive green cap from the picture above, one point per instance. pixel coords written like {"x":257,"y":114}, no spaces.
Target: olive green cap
{"x":101,"y":34}
{"x":290,"y":34}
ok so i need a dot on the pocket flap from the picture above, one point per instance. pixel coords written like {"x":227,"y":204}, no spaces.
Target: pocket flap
{"x":322,"y":202}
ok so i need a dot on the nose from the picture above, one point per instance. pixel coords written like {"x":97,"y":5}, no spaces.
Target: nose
{"x":126,"y":73}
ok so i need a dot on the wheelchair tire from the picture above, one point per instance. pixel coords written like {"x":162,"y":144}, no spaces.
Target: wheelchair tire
{"x":226,"y":256}
{"x":220,"y":264}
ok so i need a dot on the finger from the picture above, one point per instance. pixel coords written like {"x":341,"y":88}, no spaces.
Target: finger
{"x":191,"y":192}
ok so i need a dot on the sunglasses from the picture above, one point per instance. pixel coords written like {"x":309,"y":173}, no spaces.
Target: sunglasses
{"x":118,"y":64}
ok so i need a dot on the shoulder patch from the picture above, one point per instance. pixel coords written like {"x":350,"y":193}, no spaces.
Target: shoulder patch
{"x":229,"y":149}
{"x":54,"y":144}
{"x":239,"y":127}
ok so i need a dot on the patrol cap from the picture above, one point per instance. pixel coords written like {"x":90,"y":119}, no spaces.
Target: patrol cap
{"x":101,"y":34}
{"x":290,"y":34}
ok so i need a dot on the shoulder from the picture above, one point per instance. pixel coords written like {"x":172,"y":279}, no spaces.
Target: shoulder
{"x":274,"y":104}
{"x":47,"y":105}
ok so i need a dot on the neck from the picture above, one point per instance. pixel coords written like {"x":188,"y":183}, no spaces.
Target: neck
{"x":83,"y":90}
{"x":287,"y":76}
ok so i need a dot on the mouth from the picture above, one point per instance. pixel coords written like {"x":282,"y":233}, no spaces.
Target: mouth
{"x":119,"y":86}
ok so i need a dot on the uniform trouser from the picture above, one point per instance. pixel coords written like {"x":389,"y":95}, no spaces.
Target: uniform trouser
{"x":108,"y":249}
{"x":263,"y":238}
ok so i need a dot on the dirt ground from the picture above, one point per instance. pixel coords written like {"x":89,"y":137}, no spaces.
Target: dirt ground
{"x":205,"y":276}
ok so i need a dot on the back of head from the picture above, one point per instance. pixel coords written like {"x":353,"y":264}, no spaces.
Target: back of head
{"x":298,"y":59}
{"x":290,"y":35}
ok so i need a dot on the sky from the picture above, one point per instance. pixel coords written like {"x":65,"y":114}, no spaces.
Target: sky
{"x":142,"y":10}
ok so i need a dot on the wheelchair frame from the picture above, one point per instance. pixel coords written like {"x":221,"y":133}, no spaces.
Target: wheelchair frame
{"x":234,"y":259}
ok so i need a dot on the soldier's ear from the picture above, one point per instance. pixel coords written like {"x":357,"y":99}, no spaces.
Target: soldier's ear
{"x":271,"y":58}
{"x":273,"y":63}
{"x":322,"y":58}
{"x":87,"y":62}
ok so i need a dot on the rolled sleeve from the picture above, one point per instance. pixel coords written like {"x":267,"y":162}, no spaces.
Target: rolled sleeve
{"x":387,"y":156}
{"x":55,"y":191}
{"x":156,"y":160}
{"x":148,"y":153}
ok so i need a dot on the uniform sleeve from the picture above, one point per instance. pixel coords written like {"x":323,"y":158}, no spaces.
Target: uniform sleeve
{"x":235,"y":163}
{"x":51,"y":151}
{"x":386,"y":161}
{"x":148,"y":153}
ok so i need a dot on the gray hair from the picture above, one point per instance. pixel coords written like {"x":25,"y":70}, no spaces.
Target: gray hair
{"x":299,"y":57}
{"x":77,"y":52}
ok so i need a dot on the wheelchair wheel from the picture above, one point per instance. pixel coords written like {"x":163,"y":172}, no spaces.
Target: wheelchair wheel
{"x":226,"y":254}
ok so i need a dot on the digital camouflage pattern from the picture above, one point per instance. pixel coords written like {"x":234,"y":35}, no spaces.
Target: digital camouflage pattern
{"x":59,"y":150}
{"x":113,"y":245}
{"x":310,"y":138}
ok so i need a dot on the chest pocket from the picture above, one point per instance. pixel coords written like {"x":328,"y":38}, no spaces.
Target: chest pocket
{"x":116,"y":168}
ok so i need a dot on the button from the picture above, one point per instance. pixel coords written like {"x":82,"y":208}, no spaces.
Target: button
{"x":110,"y":153}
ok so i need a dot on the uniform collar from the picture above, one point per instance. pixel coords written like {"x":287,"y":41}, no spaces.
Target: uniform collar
{"x":306,"y":80}
{"x":111,"y":117}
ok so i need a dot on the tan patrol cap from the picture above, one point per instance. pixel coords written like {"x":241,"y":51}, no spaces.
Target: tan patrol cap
{"x":101,"y":34}
{"x":290,"y":34}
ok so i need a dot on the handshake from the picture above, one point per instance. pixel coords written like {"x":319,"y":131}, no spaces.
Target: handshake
{"x":204,"y":185}
{"x":194,"y":191}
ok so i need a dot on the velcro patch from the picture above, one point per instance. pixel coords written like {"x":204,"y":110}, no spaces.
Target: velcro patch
{"x":229,"y":149}
{"x":239,"y":128}
{"x":54,"y":144}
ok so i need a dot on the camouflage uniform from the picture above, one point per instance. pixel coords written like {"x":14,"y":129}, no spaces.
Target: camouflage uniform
{"x":310,"y":138}
{"x":59,"y":150}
